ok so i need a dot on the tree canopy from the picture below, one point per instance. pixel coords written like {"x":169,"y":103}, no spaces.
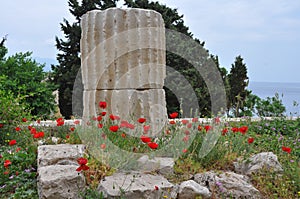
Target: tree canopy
{"x":26,"y":79}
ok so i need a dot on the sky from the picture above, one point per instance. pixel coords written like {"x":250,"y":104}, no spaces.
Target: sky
{"x":266,"y":33}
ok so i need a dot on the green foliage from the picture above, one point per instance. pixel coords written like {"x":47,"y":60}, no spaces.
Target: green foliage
{"x":270,"y":107}
{"x":18,"y":180}
{"x":238,"y":81}
{"x":91,"y":194}
{"x":25,"y":79}
{"x":12,"y":110}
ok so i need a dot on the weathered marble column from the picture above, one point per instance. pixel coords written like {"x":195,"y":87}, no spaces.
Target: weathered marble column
{"x":123,"y":62}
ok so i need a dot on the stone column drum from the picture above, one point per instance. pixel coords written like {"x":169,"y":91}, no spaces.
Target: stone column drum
{"x":123,"y":62}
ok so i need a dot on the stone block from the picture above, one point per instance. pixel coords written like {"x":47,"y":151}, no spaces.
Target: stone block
{"x":135,"y":185}
{"x":163,"y":165}
{"x":61,"y":154}
{"x":60,"y":181}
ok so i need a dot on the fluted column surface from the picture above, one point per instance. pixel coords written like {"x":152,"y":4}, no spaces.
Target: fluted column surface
{"x":123,"y":62}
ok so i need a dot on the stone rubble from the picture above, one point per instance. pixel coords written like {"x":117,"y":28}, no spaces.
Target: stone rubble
{"x":58,"y":178}
{"x":57,"y":175}
{"x":258,"y":162}
{"x":228,"y":184}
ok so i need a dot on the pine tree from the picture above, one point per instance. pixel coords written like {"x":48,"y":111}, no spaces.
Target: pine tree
{"x":238,"y":81}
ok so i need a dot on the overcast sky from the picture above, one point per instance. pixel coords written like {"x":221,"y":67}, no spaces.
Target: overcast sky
{"x":266,"y":33}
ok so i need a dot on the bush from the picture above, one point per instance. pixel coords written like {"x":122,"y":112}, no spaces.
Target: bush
{"x":25,"y":79}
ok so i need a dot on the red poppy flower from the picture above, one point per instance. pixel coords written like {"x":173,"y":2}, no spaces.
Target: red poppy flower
{"x":187,"y":132}
{"x":189,"y":125}
{"x":184,"y":150}
{"x":82,"y":168}
{"x":94,"y":118}
{"x":146,"y":129}
{"x":18,"y":128}
{"x":142,"y":120}
{"x":156,"y":187}
{"x":60,"y":122}
{"x":235,"y":129}
{"x":114,"y":117}
{"x":114,"y":128}
{"x":152,"y":145}
{"x":199,"y":128}
{"x":125,"y":124}
{"x":12,"y":142}
{"x":184,"y":122}
{"x":24,"y":119}
{"x":41,"y":134}
{"x":243,"y":129}
{"x":145,"y":139}
{"x":67,"y":136}
{"x":172,"y":122}
{"x":186,"y":138}
{"x":123,"y":135}
{"x":195,"y":119}
{"x":130,"y":126}
{"x":99,"y":118}
{"x":7,"y":163}
{"x":76,"y":122}
{"x":1,"y":125}
{"x":217,"y":120}
{"x":102,"y":105}
{"x":103,"y":113}
{"x":18,"y":149}
{"x":286,"y":149}
{"x":72,"y":128}
{"x":224,"y":131}
{"x":103,"y":146}
{"x":29,"y":128}
{"x":250,"y":140}
{"x":82,"y":161}
{"x":6,"y":172}
{"x":100,"y":126}
{"x":207,"y":128}
{"x":173,"y":115}
{"x":33,"y":130}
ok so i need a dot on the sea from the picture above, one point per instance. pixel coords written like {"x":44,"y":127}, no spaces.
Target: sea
{"x":289,"y":93}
